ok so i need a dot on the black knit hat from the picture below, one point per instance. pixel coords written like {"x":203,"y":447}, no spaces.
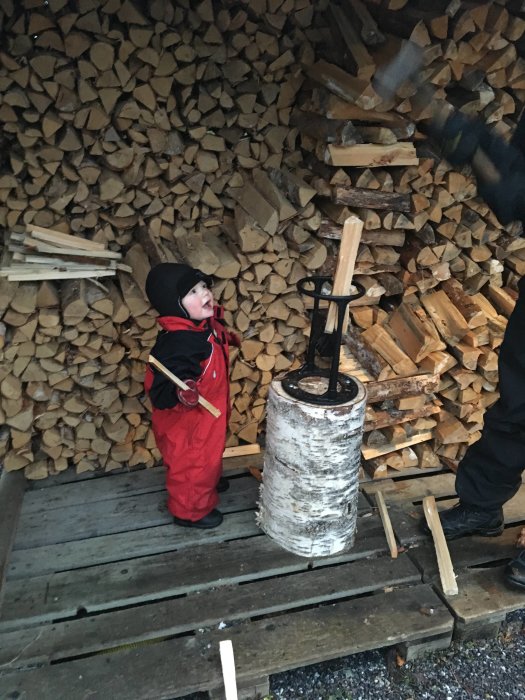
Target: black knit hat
{"x":168,"y":283}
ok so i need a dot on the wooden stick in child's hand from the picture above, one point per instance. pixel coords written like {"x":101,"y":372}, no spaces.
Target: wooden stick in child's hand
{"x":182,"y":385}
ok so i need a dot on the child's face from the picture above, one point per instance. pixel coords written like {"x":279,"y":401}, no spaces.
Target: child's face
{"x":198,"y":302}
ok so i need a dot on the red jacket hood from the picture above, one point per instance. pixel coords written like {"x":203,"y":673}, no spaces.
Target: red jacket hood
{"x":176,"y":323}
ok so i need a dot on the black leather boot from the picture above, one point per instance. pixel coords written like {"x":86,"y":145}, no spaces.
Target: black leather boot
{"x":464,"y":520}
{"x":515,"y":571}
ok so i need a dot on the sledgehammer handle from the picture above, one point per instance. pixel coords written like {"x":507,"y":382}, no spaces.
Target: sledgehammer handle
{"x":182,"y":385}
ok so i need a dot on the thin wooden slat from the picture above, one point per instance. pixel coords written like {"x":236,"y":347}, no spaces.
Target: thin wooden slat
{"x":38,"y":275}
{"x":48,"y":248}
{"x":385,"y":519}
{"x":446,"y":570}
{"x":182,"y":385}
{"x":291,"y":640}
{"x":72,"y":638}
{"x":241,"y":451}
{"x":63,"y":239}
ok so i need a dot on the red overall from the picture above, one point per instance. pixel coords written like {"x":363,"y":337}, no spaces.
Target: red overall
{"x":191,"y":440}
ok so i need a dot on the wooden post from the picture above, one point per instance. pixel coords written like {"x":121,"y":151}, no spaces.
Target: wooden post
{"x":446,"y":571}
{"x":345,"y":268}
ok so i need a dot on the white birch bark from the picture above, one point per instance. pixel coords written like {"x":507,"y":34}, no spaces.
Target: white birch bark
{"x":308,"y":499}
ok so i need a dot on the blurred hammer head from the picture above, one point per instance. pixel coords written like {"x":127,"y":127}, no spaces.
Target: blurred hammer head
{"x":405,"y":66}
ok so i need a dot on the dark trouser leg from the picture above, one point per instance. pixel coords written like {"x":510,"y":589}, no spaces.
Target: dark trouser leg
{"x":490,"y":472}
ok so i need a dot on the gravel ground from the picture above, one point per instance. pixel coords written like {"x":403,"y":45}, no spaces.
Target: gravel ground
{"x":482,"y":670}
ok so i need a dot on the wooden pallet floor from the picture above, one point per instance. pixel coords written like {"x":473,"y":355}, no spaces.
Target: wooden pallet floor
{"x":104,"y":597}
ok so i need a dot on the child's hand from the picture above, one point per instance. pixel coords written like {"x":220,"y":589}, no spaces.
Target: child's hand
{"x":234,"y":339}
{"x":189,"y":397}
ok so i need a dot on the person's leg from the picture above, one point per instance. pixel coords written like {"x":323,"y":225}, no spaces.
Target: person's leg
{"x":490,"y":472}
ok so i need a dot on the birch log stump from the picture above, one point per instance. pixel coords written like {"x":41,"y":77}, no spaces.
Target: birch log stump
{"x":308,"y":500}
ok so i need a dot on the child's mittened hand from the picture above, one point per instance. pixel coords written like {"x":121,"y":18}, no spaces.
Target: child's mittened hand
{"x":189,"y":397}
{"x":234,"y":339}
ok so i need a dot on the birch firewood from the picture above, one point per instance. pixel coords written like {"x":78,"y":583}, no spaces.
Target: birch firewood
{"x":308,"y":500}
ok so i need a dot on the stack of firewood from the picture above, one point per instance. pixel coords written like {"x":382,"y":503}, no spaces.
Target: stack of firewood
{"x":458,"y":267}
{"x":238,"y":137}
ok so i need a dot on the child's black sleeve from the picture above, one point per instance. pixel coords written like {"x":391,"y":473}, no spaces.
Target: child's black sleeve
{"x":181,"y":352}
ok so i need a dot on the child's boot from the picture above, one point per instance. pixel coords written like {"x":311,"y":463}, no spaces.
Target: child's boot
{"x":212,"y":519}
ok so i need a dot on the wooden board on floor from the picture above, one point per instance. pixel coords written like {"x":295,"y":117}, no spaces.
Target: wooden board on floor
{"x":107,"y":570}
{"x":483,"y":602}
{"x":208,"y":608}
{"x":261,"y":647}
{"x":112,"y":585}
{"x":12,"y":489}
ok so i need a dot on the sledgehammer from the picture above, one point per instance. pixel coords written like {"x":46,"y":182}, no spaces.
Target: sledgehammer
{"x":406,"y":66}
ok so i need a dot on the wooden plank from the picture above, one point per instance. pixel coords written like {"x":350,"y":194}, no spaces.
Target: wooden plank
{"x":291,"y":640}
{"x":108,"y":586}
{"x":47,"y":248}
{"x":67,"y":556}
{"x":483,"y":594}
{"x":118,"y":515}
{"x":53,"y":274}
{"x":63,"y":239}
{"x":69,"y":476}
{"x":12,"y":489}
{"x":41,"y":498}
{"x":241,"y":451}
{"x":62,"y":640}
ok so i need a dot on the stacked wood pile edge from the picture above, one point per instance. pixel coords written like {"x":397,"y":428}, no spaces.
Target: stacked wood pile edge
{"x":238,"y":137}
